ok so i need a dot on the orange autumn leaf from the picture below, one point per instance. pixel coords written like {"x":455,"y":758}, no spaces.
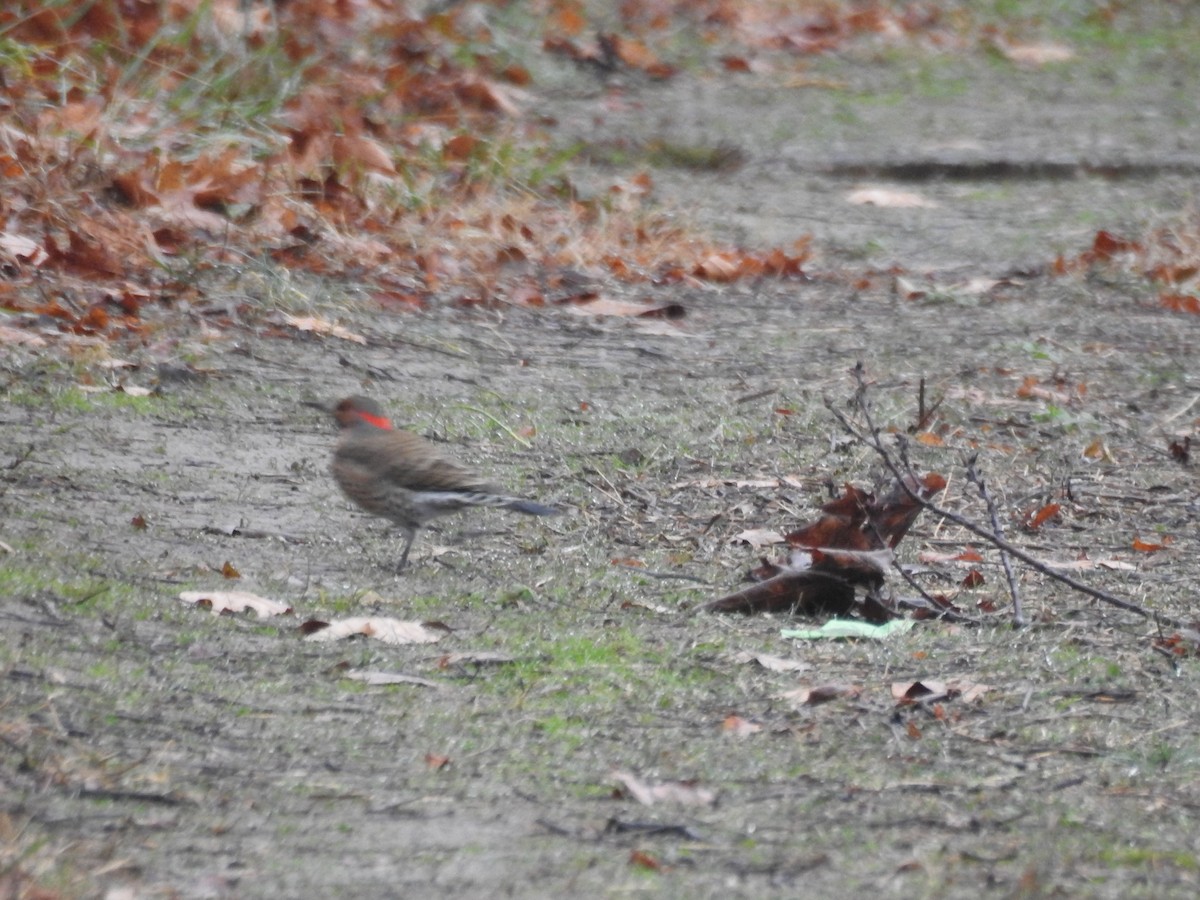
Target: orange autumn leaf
{"x":1185,"y":303}
{"x":566,"y":19}
{"x":973,"y":579}
{"x":1106,"y":245}
{"x":1150,"y":547}
{"x":642,"y":860}
{"x":361,"y":152}
{"x":460,"y":147}
{"x":718,"y":267}
{"x":436,"y":761}
{"x":739,"y":727}
{"x":1039,"y":518}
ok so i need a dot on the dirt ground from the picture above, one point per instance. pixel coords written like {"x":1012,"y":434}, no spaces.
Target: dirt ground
{"x":151,"y":749}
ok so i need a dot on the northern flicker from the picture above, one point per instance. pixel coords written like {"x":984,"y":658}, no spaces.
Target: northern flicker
{"x":403,"y":477}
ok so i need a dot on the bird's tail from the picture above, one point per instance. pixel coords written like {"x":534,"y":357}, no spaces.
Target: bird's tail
{"x":529,"y":507}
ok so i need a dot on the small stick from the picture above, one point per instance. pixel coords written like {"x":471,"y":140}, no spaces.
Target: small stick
{"x":875,"y":443}
{"x":974,"y":477}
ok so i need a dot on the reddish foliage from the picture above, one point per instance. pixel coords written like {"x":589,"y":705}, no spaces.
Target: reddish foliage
{"x":847,"y":548}
{"x":1035,"y":519}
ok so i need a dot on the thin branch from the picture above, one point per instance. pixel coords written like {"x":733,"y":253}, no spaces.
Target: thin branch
{"x":875,"y":442}
{"x":997,"y":529}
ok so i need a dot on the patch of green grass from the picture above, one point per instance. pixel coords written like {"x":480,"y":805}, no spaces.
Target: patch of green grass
{"x":103,"y":670}
{"x":1146,"y":857}
{"x":24,"y":579}
{"x":666,"y":154}
{"x":71,"y":399}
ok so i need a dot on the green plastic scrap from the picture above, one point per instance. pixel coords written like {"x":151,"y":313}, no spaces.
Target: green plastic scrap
{"x":835,"y":629}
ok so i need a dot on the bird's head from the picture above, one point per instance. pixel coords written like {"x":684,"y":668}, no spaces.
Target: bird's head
{"x":360,"y":412}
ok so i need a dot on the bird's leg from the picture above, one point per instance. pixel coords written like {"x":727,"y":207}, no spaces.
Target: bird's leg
{"x":409,"y":534}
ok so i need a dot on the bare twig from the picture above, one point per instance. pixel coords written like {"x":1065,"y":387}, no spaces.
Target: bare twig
{"x":873,"y":440}
{"x":976,"y":479}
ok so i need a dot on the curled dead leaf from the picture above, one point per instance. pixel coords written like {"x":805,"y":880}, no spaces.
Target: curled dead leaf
{"x":317,"y":325}
{"x":235,"y":602}
{"x":680,"y":793}
{"x":390,"y":631}
{"x":888,"y":197}
{"x":739,"y":727}
{"x":814,"y":695}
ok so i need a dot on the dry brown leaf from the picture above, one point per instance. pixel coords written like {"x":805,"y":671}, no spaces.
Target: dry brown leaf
{"x":361,"y":152}
{"x":19,"y":248}
{"x":317,"y":325}
{"x":605,"y":306}
{"x":757,"y":537}
{"x":681,"y":793}
{"x":909,"y":290}
{"x":773,"y":663}
{"x":905,"y":692}
{"x":235,"y":602}
{"x":739,"y":727}
{"x":911,"y":691}
{"x":16,"y":336}
{"x":390,"y":631}
{"x":932,"y":557}
{"x":968,"y":691}
{"x":888,"y":197}
{"x":1035,"y":55}
{"x":813,"y":695}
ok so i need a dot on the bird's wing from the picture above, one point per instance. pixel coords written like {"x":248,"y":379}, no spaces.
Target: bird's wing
{"x":411,"y":462}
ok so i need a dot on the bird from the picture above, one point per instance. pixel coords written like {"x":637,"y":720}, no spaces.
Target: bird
{"x":403,"y":477}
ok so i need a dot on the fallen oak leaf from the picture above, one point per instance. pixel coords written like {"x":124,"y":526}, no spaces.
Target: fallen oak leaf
{"x":757,"y":537}
{"x":970,"y":555}
{"x":886,"y":197}
{"x":317,"y":325}
{"x":909,"y":692}
{"x":814,"y":695}
{"x":773,"y":663}
{"x":16,"y":336}
{"x":1033,"y":55}
{"x":681,"y":793}
{"x":739,"y":727}
{"x":591,"y":304}
{"x":234,"y":602}
{"x":1150,"y":547}
{"x":807,"y":592}
{"x":643,"y":860}
{"x":930,"y":691}
{"x":19,"y":248}
{"x":390,"y":631}
{"x":1036,"y":519}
